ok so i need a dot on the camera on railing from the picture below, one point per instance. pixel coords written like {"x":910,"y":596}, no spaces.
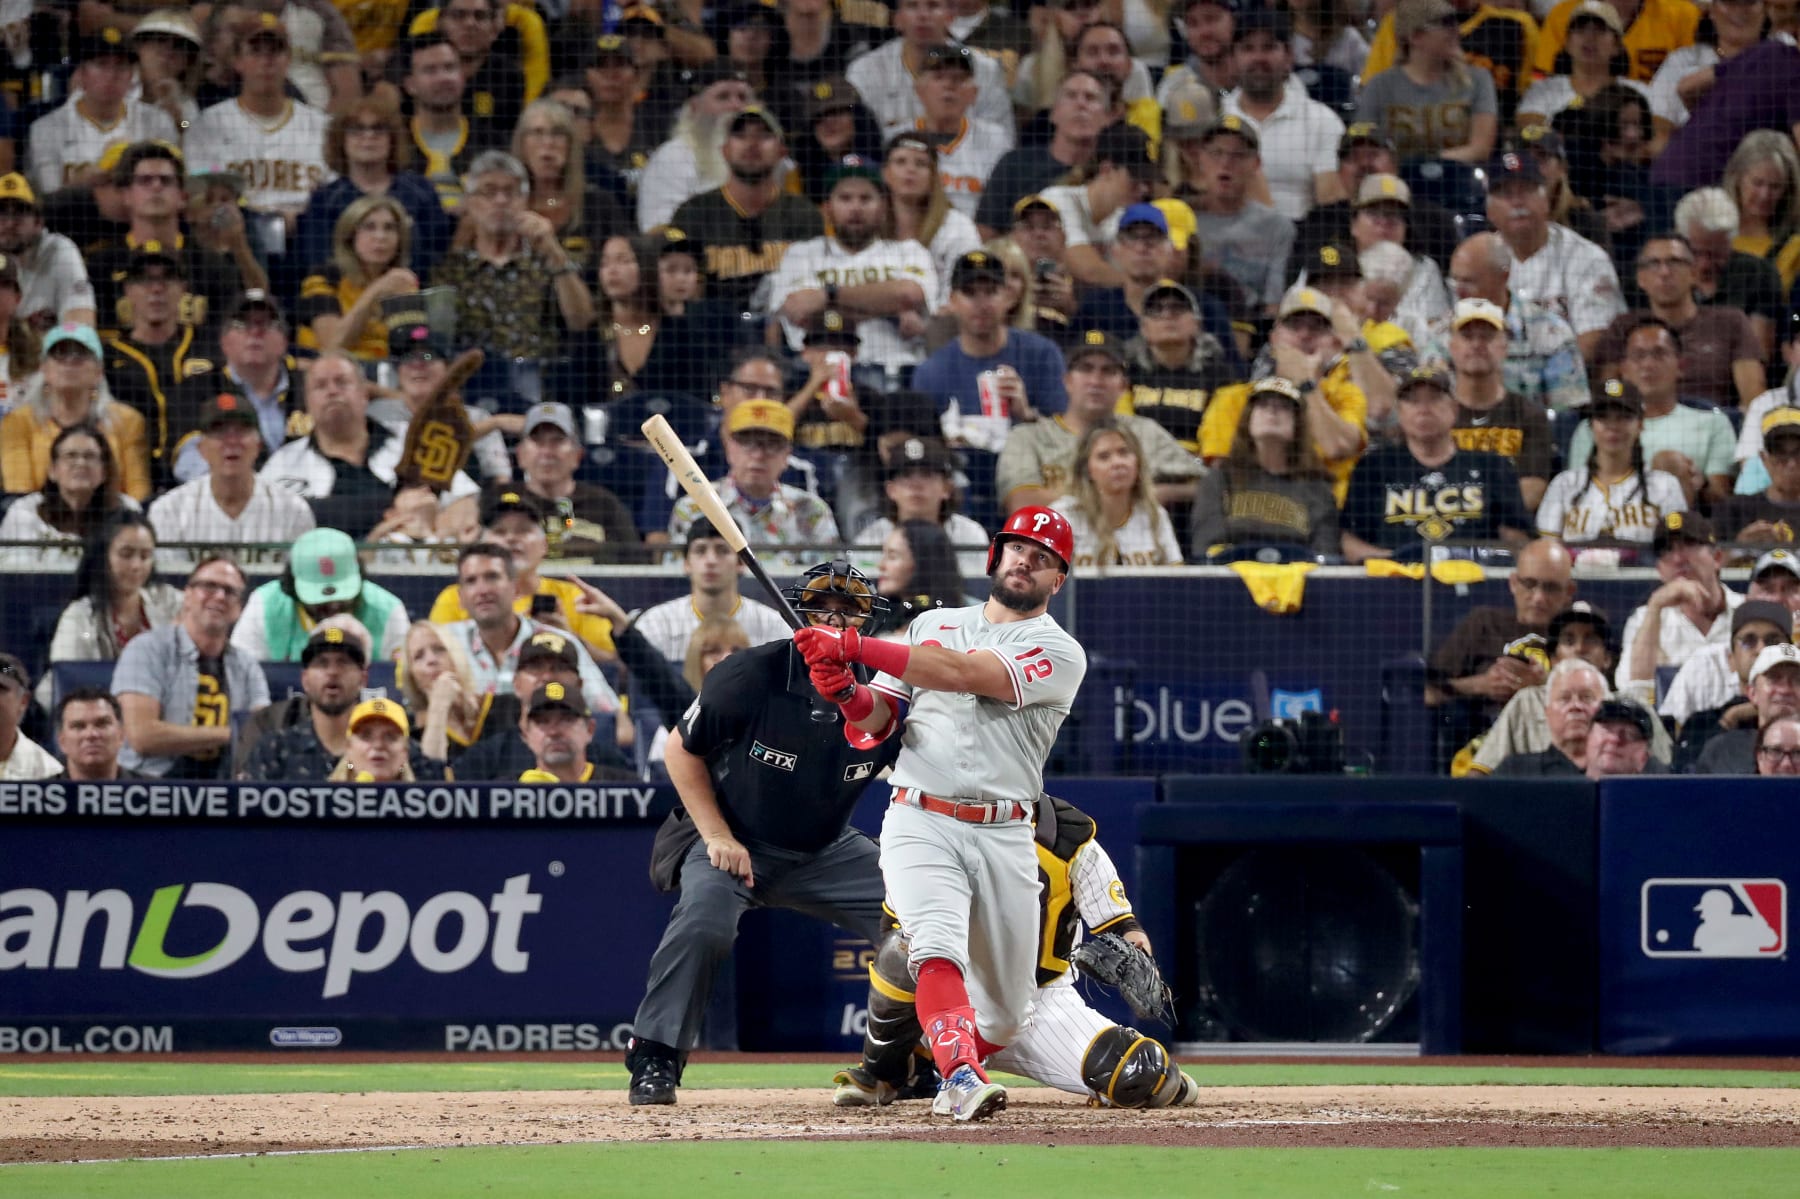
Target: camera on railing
{"x":1309,"y":743}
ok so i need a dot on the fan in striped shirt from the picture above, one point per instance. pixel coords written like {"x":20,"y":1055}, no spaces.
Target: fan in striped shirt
{"x":229,"y":504}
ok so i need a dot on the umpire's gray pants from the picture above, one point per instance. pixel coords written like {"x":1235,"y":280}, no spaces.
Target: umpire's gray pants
{"x":840,"y":884}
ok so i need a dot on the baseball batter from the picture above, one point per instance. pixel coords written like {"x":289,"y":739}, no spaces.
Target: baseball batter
{"x":1067,"y":1045}
{"x":983,"y":691}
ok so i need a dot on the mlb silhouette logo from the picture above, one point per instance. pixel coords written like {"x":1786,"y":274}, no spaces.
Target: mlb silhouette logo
{"x":1287,"y":705}
{"x":1714,"y":918}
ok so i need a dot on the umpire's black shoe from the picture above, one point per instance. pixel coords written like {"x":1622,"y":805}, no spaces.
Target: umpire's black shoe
{"x":655,"y":1071}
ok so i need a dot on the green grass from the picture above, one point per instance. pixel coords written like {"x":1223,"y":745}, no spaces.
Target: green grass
{"x":829,"y":1171}
{"x":122,"y":1077}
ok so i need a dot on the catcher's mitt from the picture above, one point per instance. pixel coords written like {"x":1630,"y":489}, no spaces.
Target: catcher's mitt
{"x":1110,"y":959}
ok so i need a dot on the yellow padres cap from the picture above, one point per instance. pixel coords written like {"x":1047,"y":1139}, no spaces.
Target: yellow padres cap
{"x":770,"y":415}
{"x":381,"y":709}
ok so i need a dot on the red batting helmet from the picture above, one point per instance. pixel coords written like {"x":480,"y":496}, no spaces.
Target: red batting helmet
{"x":1046,"y":526}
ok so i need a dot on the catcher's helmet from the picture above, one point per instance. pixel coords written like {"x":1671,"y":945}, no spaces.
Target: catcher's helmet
{"x":1046,"y":526}
{"x":836,"y":577}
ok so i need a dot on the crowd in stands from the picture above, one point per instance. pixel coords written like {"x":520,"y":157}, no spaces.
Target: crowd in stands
{"x":1297,"y":281}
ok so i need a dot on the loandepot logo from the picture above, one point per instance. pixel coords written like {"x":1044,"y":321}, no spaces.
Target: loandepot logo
{"x":356,"y":933}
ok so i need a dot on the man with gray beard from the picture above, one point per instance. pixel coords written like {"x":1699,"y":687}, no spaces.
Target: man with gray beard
{"x":558,"y":727}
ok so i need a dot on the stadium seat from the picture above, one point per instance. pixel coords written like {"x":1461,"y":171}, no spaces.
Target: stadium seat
{"x":1455,"y":186}
{"x":66,"y":676}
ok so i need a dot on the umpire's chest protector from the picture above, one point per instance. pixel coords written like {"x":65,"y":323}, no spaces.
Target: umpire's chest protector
{"x":783,"y":776}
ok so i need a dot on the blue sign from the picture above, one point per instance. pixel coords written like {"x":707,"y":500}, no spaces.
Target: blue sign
{"x":358,"y":932}
{"x":1694,"y":881}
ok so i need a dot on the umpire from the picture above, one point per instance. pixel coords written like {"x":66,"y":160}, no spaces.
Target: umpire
{"x":767,"y":783}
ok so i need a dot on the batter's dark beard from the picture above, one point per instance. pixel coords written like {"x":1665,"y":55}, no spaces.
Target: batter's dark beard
{"x":1010,"y":600}
{"x":750,"y":176}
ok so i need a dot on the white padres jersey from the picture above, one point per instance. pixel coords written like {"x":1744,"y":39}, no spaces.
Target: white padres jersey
{"x":885,"y":84}
{"x":190,"y":513}
{"x":280,"y":161}
{"x":669,"y":626}
{"x":1577,"y":509}
{"x":1147,"y":538}
{"x":822,"y":261}
{"x":63,"y":141}
{"x":1572,"y":277}
{"x":970,"y":747}
{"x":967,"y":160}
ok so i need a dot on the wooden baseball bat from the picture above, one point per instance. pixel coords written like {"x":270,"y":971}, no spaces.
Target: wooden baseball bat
{"x":671,"y":449}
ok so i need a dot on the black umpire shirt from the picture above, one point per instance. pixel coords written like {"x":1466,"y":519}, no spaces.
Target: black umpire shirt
{"x":781,"y":778}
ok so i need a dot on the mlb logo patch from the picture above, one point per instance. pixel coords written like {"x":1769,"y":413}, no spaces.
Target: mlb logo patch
{"x":1714,"y":918}
{"x":1287,"y":705}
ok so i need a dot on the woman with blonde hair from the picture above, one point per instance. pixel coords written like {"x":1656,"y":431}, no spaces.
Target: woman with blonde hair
{"x":340,"y":300}
{"x":1763,"y":177}
{"x":547,"y":142}
{"x":380,"y":741}
{"x":716,"y":639}
{"x":71,"y":390}
{"x":1113,"y":509}
{"x":1020,"y":289}
{"x":368,"y":148}
{"x":920,"y":211}
{"x":437,"y":682}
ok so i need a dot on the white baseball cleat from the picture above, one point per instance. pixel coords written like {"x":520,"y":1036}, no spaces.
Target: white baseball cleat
{"x":966,"y":1096}
{"x":856,"y":1087}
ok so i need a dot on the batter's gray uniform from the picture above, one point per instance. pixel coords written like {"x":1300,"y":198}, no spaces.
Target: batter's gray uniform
{"x":966,"y":892}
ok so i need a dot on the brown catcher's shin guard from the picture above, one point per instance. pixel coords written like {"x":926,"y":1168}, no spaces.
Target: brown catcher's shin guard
{"x":893,"y":1021}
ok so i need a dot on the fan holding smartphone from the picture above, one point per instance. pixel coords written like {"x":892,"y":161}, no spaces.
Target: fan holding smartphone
{"x":515,"y":519}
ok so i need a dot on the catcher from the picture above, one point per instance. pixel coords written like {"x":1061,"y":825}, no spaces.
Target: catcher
{"x":1066,"y":1044}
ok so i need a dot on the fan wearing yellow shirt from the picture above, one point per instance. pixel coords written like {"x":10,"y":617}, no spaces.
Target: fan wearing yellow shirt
{"x":1653,"y":29}
{"x":514,"y":520}
{"x":1307,"y":352}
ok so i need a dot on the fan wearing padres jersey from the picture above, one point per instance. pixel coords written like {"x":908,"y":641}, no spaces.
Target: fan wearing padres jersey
{"x":748,"y":224}
{"x":767,"y":788}
{"x":884,"y":76}
{"x":967,"y":146}
{"x":980,"y":693}
{"x":1399,"y":489}
{"x":1067,"y":1045}
{"x":67,"y":143}
{"x":274,"y":143}
{"x":885,"y":286}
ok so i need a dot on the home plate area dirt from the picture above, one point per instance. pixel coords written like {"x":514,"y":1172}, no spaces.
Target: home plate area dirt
{"x":1415,"y":1116}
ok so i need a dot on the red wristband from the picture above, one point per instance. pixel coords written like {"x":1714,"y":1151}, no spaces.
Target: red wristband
{"x":859,"y":705}
{"x":890,"y":657}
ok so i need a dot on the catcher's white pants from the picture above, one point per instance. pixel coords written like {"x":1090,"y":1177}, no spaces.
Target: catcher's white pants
{"x":968,"y":893}
{"x":1052,"y":1046}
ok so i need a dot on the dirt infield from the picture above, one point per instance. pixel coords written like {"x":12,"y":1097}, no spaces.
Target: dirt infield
{"x":74,"y":1129}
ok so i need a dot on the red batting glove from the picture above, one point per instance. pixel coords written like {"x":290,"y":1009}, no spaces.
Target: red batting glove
{"x":833,"y":680}
{"x":818,"y":644}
